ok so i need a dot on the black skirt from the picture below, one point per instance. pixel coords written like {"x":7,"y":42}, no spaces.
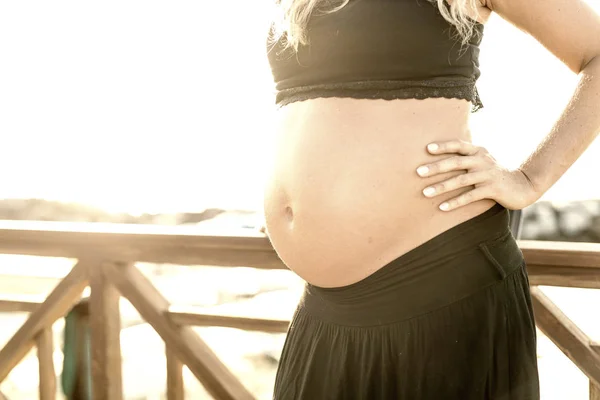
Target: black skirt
{"x":451,"y":319}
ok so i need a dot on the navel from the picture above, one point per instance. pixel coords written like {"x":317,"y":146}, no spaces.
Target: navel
{"x":289,"y":214}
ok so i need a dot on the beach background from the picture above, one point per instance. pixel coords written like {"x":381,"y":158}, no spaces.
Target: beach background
{"x":155,"y":107}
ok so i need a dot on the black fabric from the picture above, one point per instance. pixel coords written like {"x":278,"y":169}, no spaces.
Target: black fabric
{"x":451,"y":319}
{"x":378,"y":49}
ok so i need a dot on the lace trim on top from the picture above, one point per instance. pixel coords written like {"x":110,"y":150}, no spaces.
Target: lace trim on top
{"x":385,"y":90}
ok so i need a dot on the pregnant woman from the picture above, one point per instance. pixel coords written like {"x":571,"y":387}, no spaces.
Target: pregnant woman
{"x":416,"y":288}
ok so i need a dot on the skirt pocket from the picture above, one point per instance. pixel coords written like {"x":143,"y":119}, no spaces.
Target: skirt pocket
{"x":504,"y":254}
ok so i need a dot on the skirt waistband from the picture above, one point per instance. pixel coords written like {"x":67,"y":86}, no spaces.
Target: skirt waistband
{"x":453,"y":265}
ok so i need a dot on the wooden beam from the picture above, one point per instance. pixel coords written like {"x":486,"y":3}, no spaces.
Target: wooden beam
{"x":105,"y":328}
{"x":16,"y":303}
{"x":566,"y":335}
{"x":45,"y":353}
{"x":183,"y":341}
{"x":183,"y":245}
{"x":60,"y":300}
{"x":550,"y":275}
{"x":249,"y":324}
{"x":175,"y":386}
{"x":144,"y":243}
{"x":570,"y":254}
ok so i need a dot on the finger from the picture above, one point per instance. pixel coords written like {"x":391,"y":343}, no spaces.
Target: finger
{"x":453,"y":146}
{"x":469,"y":197}
{"x":450,"y":164}
{"x":457,"y":182}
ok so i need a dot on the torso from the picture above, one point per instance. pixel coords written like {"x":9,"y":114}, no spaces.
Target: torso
{"x":343,"y":198}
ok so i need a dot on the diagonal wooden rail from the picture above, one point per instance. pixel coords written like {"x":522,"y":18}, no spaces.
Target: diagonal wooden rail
{"x":107,"y":254}
{"x":185,"y":344}
{"x":62,"y":298}
{"x":566,"y":335}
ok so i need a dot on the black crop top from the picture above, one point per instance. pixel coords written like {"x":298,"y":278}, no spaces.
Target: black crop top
{"x":379,"y":49}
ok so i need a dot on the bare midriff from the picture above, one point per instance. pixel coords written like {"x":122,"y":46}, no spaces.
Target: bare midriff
{"x":343,"y":198}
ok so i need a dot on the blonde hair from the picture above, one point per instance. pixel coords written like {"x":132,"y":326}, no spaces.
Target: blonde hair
{"x":292,"y":17}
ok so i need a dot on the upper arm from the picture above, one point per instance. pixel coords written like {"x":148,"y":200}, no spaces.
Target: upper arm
{"x":570,"y":29}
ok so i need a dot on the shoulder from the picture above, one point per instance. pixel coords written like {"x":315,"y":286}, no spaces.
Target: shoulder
{"x":483,"y":11}
{"x":477,"y":9}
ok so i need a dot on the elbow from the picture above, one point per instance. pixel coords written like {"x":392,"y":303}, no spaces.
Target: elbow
{"x":589,"y":63}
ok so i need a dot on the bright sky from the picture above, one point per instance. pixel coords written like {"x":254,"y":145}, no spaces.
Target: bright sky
{"x":165,"y":106}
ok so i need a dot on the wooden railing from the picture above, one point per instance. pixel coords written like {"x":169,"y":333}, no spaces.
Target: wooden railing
{"x":106,"y":257}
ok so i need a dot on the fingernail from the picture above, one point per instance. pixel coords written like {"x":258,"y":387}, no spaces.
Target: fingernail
{"x":422,"y":171}
{"x":444,"y":206}
{"x":432,"y":147}
{"x":428,"y":191}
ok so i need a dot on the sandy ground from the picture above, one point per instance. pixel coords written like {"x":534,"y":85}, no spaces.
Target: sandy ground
{"x":250,"y":355}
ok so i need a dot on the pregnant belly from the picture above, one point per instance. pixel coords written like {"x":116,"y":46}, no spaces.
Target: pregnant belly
{"x":343,"y":198}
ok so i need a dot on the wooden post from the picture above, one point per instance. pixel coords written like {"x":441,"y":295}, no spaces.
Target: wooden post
{"x":594,"y":391}
{"x":45,"y":352}
{"x":105,"y":327}
{"x":175,"y":387}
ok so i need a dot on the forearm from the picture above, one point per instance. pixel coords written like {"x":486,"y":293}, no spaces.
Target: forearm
{"x":574,"y":131}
